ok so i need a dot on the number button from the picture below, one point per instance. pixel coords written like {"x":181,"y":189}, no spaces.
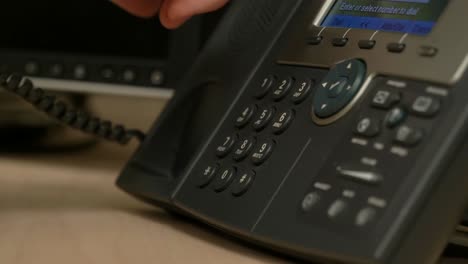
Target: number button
{"x":263,"y":118}
{"x":245,"y":116}
{"x":265,"y":86}
{"x":282,"y":121}
{"x":243,"y":149}
{"x":226,"y":146}
{"x":223,"y":179}
{"x":263,"y":152}
{"x":283,"y":88}
{"x":207,"y":175}
{"x":301,"y":91}
{"x":243,"y":183}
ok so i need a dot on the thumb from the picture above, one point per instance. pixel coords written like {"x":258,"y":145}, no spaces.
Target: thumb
{"x":142,"y":8}
{"x":175,"y":12}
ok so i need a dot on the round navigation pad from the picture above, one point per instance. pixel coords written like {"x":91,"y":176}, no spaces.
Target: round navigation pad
{"x":338,"y":88}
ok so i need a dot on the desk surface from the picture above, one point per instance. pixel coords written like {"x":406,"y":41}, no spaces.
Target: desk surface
{"x":65,"y":208}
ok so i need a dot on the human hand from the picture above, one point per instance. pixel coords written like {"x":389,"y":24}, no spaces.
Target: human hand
{"x":172,"y":13}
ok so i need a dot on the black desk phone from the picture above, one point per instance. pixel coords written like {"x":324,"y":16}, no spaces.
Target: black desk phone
{"x":333,"y":131}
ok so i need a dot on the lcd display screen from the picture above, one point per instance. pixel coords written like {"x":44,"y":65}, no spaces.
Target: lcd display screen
{"x":406,"y":16}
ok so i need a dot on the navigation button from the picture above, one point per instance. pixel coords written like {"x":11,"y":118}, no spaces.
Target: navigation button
{"x":337,"y":87}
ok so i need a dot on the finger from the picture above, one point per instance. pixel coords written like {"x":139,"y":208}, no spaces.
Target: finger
{"x":175,"y":12}
{"x":142,"y":8}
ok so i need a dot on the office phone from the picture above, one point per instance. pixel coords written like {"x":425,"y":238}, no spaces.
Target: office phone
{"x":332,"y":131}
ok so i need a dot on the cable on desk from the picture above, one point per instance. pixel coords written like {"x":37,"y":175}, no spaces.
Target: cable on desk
{"x":58,"y":109}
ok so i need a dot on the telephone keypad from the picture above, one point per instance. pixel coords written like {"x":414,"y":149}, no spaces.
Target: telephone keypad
{"x":283,"y":88}
{"x":301,"y":91}
{"x":265,"y":86}
{"x":282,"y":121}
{"x":242,"y":184}
{"x":226,"y":146}
{"x":208,"y":175}
{"x":224,"y":179}
{"x":243,"y":149}
{"x":245,"y":116}
{"x":263,"y":117}
{"x":262,"y":152}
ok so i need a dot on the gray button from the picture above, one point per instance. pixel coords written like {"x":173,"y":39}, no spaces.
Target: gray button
{"x":365,"y":216}
{"x":128,"y":75}
{"x":157,"y":77}
{"x":336,"y":208}
{"x":310,"y":200}
{"x":31,"y":68}
{"x":80,"y":71}
{"x":364,"y":176}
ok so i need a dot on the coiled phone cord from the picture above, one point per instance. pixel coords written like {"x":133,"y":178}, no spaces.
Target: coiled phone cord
{"x":59,"y":110}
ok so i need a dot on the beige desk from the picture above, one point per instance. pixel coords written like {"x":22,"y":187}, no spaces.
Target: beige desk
{"x":65,"y":208}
